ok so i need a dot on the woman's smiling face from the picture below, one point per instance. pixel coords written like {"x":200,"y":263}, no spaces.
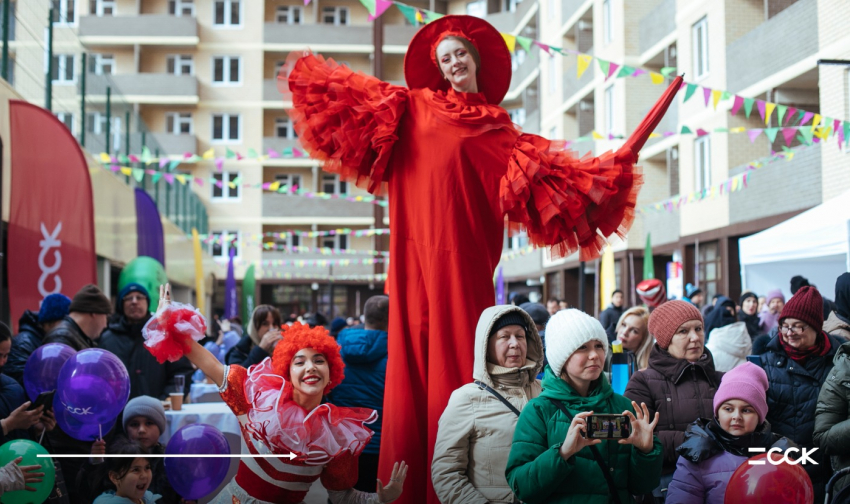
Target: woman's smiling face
{"x":309,"y":373}
{"x":457,"y":65}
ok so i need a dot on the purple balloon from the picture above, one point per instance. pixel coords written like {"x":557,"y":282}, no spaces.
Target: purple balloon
{"x":41,"y":371}
{"x":79,"y":430}
{"x":93,"y":387}
{"x":195,"y":478}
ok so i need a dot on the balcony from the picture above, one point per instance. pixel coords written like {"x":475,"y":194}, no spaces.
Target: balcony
{"x":174,"y":145}
{"x":142,"y":29}
{"x":319,"y":271}
{"x":656,"y":25}
{"x":278,"y":144}
{"x":569,"y":8}
{"x":144,"y":88}
{"x":162,"y":144}
{"x":397,"y":37}
{"x":523,"y":76}
{"x":573,"y":84}
{"x":532,"y":123}
{"x":664,"y":226}
{"x":282,"y":205}
{"x":766,"y":50}
{"x":512,"y":22}
{"x":318,"y":37}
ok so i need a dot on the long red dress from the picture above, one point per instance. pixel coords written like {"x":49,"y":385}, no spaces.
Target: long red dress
{"x":454,"y":166}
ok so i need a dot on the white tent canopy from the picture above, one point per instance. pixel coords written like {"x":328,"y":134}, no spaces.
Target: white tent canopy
{"x":815,"y":244}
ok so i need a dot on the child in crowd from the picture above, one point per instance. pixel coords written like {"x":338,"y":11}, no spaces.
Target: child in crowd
{"x":125,"y":480}
{"x":714,"y":449}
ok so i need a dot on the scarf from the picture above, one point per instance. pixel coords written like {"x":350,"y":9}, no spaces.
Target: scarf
{"x":821,"y":348}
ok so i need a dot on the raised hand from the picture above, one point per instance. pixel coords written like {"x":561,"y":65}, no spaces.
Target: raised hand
{"x":575,"y":440}
{"x":164,"y":297}
{"x":642,"y":428}
{"x":270,"y":340}
{"x":393,"y":490}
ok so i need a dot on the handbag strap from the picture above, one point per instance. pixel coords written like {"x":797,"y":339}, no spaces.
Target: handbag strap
{"x":612,"y":488}
{"x":499,"y":396}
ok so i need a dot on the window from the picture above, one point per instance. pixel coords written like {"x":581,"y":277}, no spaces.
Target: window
{"x":226,"y":127}
{"x":709,"y":268}
{"x":552,"y":76}
{"x":283,"y":128}
{"x":518,"y":241}
{"x":64,"y":12}
{"x":63,"y":69}
{"x":181,"y":8}
{"x":179,"y":123}
{"x":700,"y":45}
{"x":227,"y":70}
{"x":477,"y":8}
{"x":517,"y":58}
{"x":335,"y":242}
{"x":223,"y":241}
{"x":331,"y":184}
{"x":607,"y":28}
{"x":337,"y":16}
{"x":181,"y":64}
{"x":517,"y":116}
{"x":702,"y":163}
{"x":67,"y":119}
{"x":289,"y":180}
{"x":288,"y":14}
{"x":227,"y":13}
{"x":103,"y":7}
{"x":104,"y":64}
{"x":96,"y":124}
{"x":511,"y":5}
{"x":226,"y":186}
{"x":609,"y":109}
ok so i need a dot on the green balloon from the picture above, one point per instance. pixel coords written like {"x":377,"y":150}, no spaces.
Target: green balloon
{"x":147,"y":272}
{"x":29,"y":451}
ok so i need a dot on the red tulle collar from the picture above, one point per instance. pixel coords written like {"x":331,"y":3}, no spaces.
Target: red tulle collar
{"x":469,"y":111}
{"x":281,"y":425}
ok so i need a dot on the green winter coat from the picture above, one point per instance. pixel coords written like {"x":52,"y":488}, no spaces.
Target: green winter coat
{"x":537,"y":473}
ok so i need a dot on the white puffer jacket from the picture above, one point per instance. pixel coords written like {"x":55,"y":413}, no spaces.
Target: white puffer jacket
{"x":730,"y":345}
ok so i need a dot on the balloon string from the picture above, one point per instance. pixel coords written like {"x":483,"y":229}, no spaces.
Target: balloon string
{"x":40,"y":438}
{"x":99,"y":432}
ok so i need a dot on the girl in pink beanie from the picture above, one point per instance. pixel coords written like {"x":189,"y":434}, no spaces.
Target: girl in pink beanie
{"x":714,"y":449}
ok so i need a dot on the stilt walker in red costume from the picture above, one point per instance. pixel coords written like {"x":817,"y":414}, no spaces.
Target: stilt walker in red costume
{"x":454,"y":166}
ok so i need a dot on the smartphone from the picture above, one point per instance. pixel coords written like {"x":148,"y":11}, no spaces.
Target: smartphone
{"x":44,"y":399}
{"x":608,"y":427}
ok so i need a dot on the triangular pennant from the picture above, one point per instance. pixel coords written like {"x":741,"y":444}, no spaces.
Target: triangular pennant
{"x":173,"y":165}
{"x":791,"y":113}
{"x":168,"y":177}
{"x":715,"y":97}
{"x":126,"y":170}
{"x":753,"y":134}
{"x":780,"y":113}
{"x":287,"y":152}
{"x":370,"y":5}
{"x":209,"y":153}
{"x":807,"y":135}
{"x":701,"y":132}
{"x":123,"y":159}
{"x":582,"y":64}
{"x":612,"y":69}
{"x":199,"y":181}
{"x":768,"y":110}
{"x":721,"y":130}
{"x":706,"y":92}
{"x":146,"y":155}
{"x":419,"y":17}
{"x":806,"y":116}
{"x":432,"y":16}
{"x":748,"y":106}
{"x":163,"y":162}
{"x":274,"y":186}
{"x":381,"y":6}
{"x":105,"y":158}
{"x":138,"y":174}
{"x":736,"y":104}
{"x":219,"y":164}
{"x":667,"y":71}
{"x":525,"y":43}
{"x":788,"y":134}
{"x":542,"y":46}
{"x":408,"y":12}
{"x":603,"y":65}
{"x":836,"y":126}
{"x":251,"y":153}
{"x":725,"y":96}
{"x":639,"y":72}
{"x":625,"y":71}
{"x":816,"y":121}
{"x":273,"y":154}
{"x":510,"y":41}
{"x":596,"y":135}
{"x":133,"y":158}
{"x":155,"y":177}
{"x":690,"y":91}
{"x":685,"y":131}
{"x":771,"y":134}
{"x":229,"y":154}
{"x":760,"y":104}
{"x":657,"y":78}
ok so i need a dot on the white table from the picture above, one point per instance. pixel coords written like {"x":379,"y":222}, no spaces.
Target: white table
{"x":216,"y":414}
{"x":204,"y":393}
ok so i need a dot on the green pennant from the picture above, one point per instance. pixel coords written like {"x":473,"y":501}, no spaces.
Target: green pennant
{"x":173,"y":164}
{"x":229,"y":154}
{"x":557,"y":49}
{"x":525,"y":43}
{"x":583,"y":139}
{"x":408,"y":12}
{"x":648,"y":262}
{"x":625,"y":71}
{"x":807,"y":134}
{"x":686,"y":131}
{"x":155,"y":177}
{"x":771,"y":134}
{"x":780,"y":111}
{"x":287,"y":152}
{"x":721,"y":130}
{"x":370,"y":5}
{"x":146,"y":155}
{"x":800,"y":115}
{"x":138,"y":174}
{"x":603,"y":65}
{"x":237,"y":181}
{"x":431,"y":16}
{"x":123,"y":159}
{"x":726,"y":95}
{"x":666,"y":71}
{"x":846,"y":126}
{"x":252,"y":153}
{"x":690,"y":91}
{"x":748,"y":106}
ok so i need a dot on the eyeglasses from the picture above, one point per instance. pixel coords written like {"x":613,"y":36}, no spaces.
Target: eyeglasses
{"x":797,"y":329}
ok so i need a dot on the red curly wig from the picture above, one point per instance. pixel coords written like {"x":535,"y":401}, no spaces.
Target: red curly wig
{"x":299,"y":336}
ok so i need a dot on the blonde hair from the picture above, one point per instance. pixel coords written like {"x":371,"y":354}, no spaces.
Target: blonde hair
{"x":642,"y":353}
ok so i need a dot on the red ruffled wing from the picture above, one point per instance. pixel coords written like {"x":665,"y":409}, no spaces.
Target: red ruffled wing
{"x":568,"y":203}
{"x":345,"y":118}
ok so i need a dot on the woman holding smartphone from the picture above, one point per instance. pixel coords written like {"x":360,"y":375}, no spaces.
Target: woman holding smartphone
{"x":552,"y":458}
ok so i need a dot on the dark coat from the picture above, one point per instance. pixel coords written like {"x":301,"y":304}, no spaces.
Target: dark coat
{"x":832,"y":430}
{"x":792,"y":399}
{"x":147,"y":376}
{"x":609,"y":318}
{"x":364,"y":352}
{"x":69,"y":333}
{"x":245,"y":353}
{"x":12,"y":396}
{"x":680,"y":391}
{"x":23,"y":345}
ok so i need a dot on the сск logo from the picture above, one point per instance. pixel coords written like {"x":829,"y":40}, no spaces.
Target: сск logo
{"x":773,"y":459}
{"x":50,"y":241}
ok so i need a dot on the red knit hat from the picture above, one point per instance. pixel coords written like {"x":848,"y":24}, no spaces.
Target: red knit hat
{"x":667,"y":318}
{"x":805,"y":305}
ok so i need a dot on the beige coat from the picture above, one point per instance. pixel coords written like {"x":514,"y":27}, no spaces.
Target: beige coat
{"x":836,"y":327}
{"x":476,"y":429}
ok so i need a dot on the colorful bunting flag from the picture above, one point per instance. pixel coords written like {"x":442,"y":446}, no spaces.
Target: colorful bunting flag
{"x":582,"y":64}
{"x":510,"y":40}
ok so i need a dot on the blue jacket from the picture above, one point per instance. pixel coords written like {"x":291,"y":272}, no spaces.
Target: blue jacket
{"x":364,"y":352}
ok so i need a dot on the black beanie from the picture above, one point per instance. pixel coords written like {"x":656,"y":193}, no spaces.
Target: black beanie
{"x":513,"y":317}
{"x":798,"y":282}
{"x":90,"y":299}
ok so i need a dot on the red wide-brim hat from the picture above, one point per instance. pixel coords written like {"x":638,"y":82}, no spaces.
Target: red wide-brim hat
{"x":494,"y":76}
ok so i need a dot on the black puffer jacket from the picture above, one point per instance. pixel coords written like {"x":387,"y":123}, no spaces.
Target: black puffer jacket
{"x":245,"y":353}
{"x":147,"y":376}
{"x":23,"y":345}
{"x":69,"y":333}
{"x":832,"y":430}
{"x":680,"y":391}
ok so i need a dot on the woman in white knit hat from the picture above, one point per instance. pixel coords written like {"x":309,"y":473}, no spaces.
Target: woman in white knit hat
{"x":552,"y":459}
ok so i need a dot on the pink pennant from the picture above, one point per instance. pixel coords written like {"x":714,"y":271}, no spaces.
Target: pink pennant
{"x":219,"y":164}
{"x":115,"y":168}
{"x":150,"y":172}
{"x":736,"y":106}
{"x":114,"y":160}
{"x":239,"y":157}
{"x":807,"y":117}
{"x":610,"y":136}
{"x":706,"y":92}
{"x":753,"y":134}
{"x":746,"y":179}
{"x":543,"y":46}
{"x":761,"y":106}
{"x":639,"y":71}
{"x":266,"y":186}
{"x":682,"y":85}
{"x":187,"y":155}
{"x":134,"y":159}
{"x":612,"y":69}
{"x":168,"y":177}
{"x":381,"y":6}
{"x":272,"y":153}
{"x":701,"y":132}
{"x":306,"y":2}
{"x":840,"y":136}
{"x":835,"y":125}
{"x":789,"y":134}
{"x":297,"y":153}
{"x":218,"y":184}
{"x":199,"y":181}
{"x":669,"y":133}
{"x":163,"y":163}
{"x":788,"y":115}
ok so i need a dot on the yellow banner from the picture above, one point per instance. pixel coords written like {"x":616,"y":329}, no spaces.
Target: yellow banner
{"x":199,"y":271}
{"x":607,"y":281}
